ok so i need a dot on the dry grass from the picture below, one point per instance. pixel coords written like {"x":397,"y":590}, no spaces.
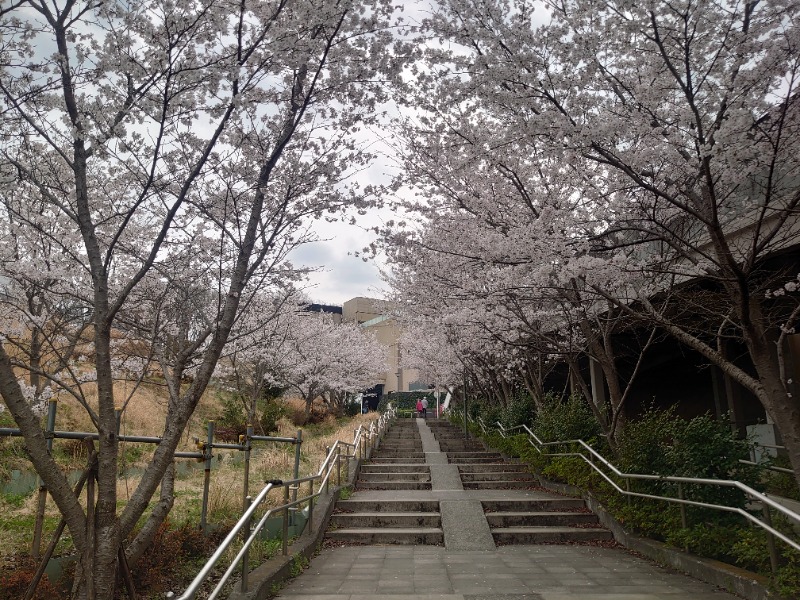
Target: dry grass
{"x":145,"y":416}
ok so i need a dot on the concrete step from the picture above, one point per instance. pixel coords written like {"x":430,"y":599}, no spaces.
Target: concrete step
{"x":540,"y":519}
{"x":544,"y":504}
{"x":400,"y":454}
{"x":385,"y":519}
{"x":418,"y":476}
{"x":489,"y":467}
{"x":396,"y":460}
{"x":401,"y":445}
{"x":497,"y":485}
{"x":393,"y":485}
{"x":460,"y":459}
{"x":389,"y":535}
{"x":395,"y":468}
{"x":356,"y":505}
{"x":549,"y":535}
{"x":497,"y":476}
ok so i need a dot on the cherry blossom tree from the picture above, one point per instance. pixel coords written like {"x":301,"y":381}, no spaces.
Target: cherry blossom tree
{"x":516,"y":298}
{"x":663,"y":142}
{"x":244,"y":362}
{"x":319,"y":356}
{"x":141,"y":138}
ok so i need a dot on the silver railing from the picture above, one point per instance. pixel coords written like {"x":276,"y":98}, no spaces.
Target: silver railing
{"x":596,"y":462}
{"x":365,"y":439}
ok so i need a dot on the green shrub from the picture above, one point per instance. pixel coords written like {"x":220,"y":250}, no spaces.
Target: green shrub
{"x":233,"y":412}
{"x":271,"y":412}
{"x":712,"y":540}
{"x":351,"y":409}
{"x":520,"y":411}
{"x":568,"y":419}
{"x":647,"y":517}
{"x":781,"y":484}
{"x":705,"y":448}
{"x":786,"y":581}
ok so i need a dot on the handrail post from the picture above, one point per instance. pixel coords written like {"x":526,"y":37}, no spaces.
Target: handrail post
{"x":310,"y":504}
{"x":774,"y":561}
{"x":684,"y":518}
{"x":298,"y":444}
{"x":285,"y":535}
{"x":246,"y":532}
{"x":327,"y":475}
{"x":297,"y":447}
{"x":466,"y":435}
{"x":207,"y":476}
{"x":246,"y":481}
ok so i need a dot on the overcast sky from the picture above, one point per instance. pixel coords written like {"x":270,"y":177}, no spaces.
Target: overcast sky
{"x":342,"y":275}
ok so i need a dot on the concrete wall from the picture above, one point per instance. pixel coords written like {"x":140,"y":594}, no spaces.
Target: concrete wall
{"x":373,"y":314}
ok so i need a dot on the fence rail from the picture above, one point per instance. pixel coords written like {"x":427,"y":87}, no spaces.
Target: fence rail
{"x":608,"y":471}
{"x":364,"y":439}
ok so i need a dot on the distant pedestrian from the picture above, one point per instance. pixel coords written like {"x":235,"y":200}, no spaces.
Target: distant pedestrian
{"x":424,"y":408}
{"x":420,"y":408}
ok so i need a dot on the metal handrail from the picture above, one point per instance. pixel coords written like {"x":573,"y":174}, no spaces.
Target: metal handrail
{"x":331,"y":462}
{"x":541,"y":447}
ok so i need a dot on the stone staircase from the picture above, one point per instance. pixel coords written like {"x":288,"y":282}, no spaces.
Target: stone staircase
{"x":552,"y":521}
{"x":516,"y":520}
{"x":395,"y":502}
{"x":479,"y":468}
{"x":416,"y":522}
{"x":398,"y":465}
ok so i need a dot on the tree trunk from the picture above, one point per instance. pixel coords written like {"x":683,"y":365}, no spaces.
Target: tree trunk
{"x":144,"y":538}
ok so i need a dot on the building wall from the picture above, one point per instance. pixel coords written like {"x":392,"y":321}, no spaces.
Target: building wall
{"x":373,"y":314}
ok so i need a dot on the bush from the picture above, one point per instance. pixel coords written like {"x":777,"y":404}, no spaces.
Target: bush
{"x":781,"y":484}
{"x":405,"y":400}
{"x":708,"y":539}
{"x":233,"y":412}
{"x":271,"y":412}
{"x":159,"y":566}
{"x":520,"y":411}
{"x":14,"y":582}
{"x":568,"y":419}
{"x":352,"y":409}
{"x":705,"y":448}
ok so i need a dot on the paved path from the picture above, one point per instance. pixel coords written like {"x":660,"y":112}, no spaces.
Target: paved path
{"x":469,"y":568}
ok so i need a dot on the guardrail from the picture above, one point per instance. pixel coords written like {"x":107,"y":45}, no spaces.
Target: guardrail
{"x":596,"y":461}
{"x":364,"y":439}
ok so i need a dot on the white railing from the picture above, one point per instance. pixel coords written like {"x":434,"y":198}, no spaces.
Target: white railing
{"x":364,"y":439}
{"x":608,"y":471}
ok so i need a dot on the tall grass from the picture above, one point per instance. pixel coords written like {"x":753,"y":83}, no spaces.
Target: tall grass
{"x":145,"y":416}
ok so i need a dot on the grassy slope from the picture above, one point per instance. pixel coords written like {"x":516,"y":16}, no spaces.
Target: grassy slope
{"x":144,"y":416}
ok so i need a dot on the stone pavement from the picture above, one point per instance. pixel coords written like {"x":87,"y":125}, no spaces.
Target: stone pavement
{"x":469,"y":567}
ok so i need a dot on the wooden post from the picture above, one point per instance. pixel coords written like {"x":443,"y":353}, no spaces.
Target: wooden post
{"x":127,"y":578}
